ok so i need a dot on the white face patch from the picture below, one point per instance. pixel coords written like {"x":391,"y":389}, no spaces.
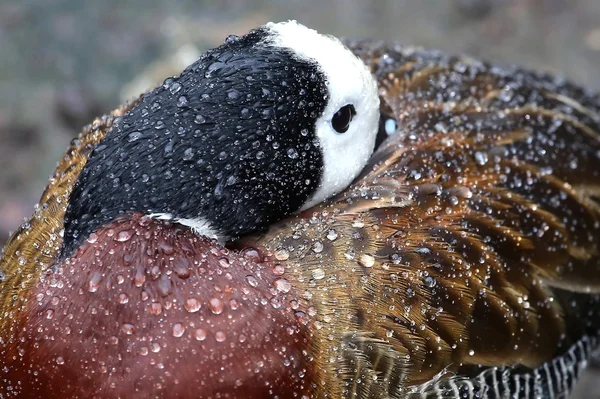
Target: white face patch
{"x":349,"y":82}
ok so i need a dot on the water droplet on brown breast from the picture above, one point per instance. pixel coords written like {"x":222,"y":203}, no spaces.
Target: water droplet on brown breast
{"x":128,"y":328}
{"x":216,"y":305}
{"x":94,"y":281}
{"x":252,"y":280}
{"x":220,"y":336}
{"x":282,"y":285}
{"x":123,"y":236}
{"x":178,"y":330}
{"x":155,"y":308}
{"x":192,"y":305}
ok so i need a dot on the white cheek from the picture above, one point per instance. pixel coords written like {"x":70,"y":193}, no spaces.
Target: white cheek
{"x":348,"y":82}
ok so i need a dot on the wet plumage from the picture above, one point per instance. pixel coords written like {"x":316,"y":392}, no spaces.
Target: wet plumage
{"x":463,"y":260}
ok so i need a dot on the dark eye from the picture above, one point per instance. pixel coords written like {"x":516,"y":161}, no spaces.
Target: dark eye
{"x":342,"y":118}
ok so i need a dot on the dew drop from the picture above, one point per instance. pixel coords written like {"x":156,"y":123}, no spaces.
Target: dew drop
{"x":332,"y":235}
{"x":366,"y":260}
{"x":123,"y":236}
{"x":178,"y":330}
{"x":252,"y":280}
{"x":94,"y":282}
{"x":220,"y":336}
{"x":123,"y":298}
{"x":155,"y":308}
{"x":282,"y":254}
{"x":318,"y":274}
{"x":128,"y":328}
{"x":200,"y":334}
{"x":133,"y":136}
{"x":92,"y":238}
{"x":282,"y":285}
{"x":192,"y":305}
{"x":175,"y":87}
{"x":216,"y":306}
{"x":182,"y":101}
{"x":317,"y":247}
{"x":278,"y":270}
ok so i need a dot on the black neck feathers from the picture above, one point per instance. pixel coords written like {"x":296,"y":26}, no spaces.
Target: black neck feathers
{"x":230,"y":141}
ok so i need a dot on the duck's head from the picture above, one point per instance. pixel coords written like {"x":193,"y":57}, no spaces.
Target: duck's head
{"x":258,"y":128}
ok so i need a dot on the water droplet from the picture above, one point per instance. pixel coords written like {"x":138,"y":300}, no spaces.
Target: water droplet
{"x":317,"y":247}
{"x":278,"y":270}
{"x":192,"y":305}
{"x":94,"y":282}
{"x":390,"y":126}
{"x":358,"y":223}
{"x":155,"y":308}
{"x":188,"y":154}
{"x":92,"y":238}
{"x":282,"y":254}
{"x":178,"y":330}
{"x":220,"y":336}
{"x":181,"y":267}
{"x":124,"y":236}
{"x":182,"y":101}
{"x":252,"y":280}
{"x":216,"y":305}
{"x":175,"y":87}
{"x":366,"y":260}
{"x":292,"y":153}
{"x":60,"y":361}
{"x":471,"y":352}
{"x":282,"y":285}
{"x":430,"y":282}
{"x":224,"y":263}
{"x":49,"y":314}
{"x":233,"y":94}
{"x":128,"y":328}
{"x":481,"y":157}
{"x":123,"y":298}
{"x":200,"y":119}
{"x":200,"y":334}
{"x":231,"y":39}
{"x":332,"y":235}
{"x":134,"y":136}
{"x":318,"y":274}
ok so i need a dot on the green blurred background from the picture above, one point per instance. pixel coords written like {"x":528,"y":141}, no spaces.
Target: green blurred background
{"x":63,"y":62}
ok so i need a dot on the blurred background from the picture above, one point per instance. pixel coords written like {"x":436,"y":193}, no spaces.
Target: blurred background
{"x":63,"y":62}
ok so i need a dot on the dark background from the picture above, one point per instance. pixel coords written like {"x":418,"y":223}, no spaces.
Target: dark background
{"x":63,"y":62}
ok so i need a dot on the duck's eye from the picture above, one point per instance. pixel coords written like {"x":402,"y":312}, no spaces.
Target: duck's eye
{"x":342,"y":118}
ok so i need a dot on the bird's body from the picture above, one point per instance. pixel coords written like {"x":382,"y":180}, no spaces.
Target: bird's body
{"x":463,"y":261}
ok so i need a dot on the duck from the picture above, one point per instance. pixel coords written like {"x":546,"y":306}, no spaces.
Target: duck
{"x":435,"y":234}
